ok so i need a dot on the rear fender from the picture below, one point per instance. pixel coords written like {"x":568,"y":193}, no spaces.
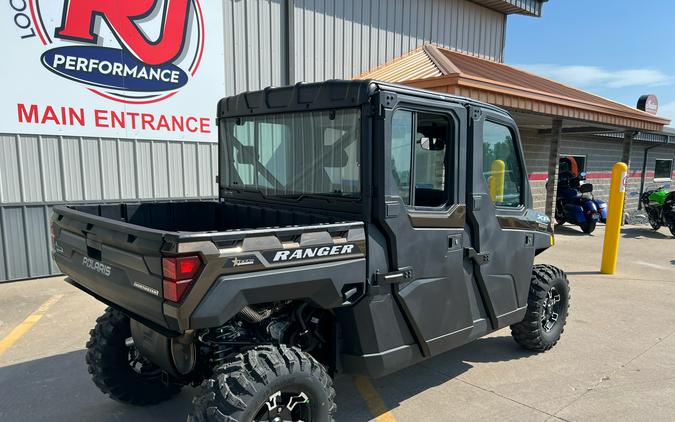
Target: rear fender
{"x":575,"y":213}
{"x":327,"y":285}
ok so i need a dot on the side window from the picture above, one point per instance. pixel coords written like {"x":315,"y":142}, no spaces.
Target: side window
{"x":425,"y":159}
{"x":501,"y":167}
{"x":431,"y":140}
{"x":401,"y":150}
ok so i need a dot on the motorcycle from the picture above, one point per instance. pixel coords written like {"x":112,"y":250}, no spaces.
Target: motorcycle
{"x":660,"y":207}
{"x":576,"y":205}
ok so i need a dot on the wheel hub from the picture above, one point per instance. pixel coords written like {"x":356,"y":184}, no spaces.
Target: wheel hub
{"x":551,"y":309}
{"x":285,"y":406}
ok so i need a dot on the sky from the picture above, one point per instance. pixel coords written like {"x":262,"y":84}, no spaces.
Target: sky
{"x":618,"y":49}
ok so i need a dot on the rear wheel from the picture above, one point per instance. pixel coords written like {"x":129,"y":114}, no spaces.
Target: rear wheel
{"x":118,"y":370}
{"x":267,"y":383}
{"x":588,"y":227}
{"x":671,"y":227}
{"x":547,"y":309}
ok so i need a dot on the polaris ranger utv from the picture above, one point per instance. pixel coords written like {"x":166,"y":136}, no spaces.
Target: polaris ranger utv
{"x":361,"y":227}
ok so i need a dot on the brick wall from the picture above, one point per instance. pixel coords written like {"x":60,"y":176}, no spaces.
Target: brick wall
{"x":601,"y":154}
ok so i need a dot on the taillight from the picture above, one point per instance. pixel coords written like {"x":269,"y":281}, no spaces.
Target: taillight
{"x":179,"y":273}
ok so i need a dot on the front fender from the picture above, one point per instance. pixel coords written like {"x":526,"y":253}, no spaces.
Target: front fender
{"x":327,"y":285}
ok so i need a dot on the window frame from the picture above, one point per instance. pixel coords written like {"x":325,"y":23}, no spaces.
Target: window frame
{"x":450,"y":168}
{"x":670,"y":173}
{"x":517,"y":147}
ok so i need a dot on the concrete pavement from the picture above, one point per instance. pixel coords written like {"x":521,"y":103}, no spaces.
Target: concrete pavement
{"x":614,"y":362}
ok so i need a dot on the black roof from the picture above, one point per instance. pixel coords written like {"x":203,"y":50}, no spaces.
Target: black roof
{"x":326,"y":95}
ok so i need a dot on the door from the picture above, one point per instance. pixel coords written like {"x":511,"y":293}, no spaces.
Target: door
{"x":425,"y":221}
{"x":498,"y":200}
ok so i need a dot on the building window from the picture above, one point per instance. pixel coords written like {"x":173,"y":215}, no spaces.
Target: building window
{"x":573,"y":163}
{"x":663,"y":169}
{"x":419,"y":146}
{"x":501,"y":166}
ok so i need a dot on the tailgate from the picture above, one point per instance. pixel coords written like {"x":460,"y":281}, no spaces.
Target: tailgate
{"x":116,"y":261}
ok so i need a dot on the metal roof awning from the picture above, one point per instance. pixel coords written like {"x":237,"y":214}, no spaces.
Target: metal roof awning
{"x":444,"y":70}
{"x":523,"y":7}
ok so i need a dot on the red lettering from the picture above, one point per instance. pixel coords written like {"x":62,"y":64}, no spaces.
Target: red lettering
{"x":79,"y":16}
{"x":205,"y":125}
{"x":191,"y":128}
{"x":177,"y":123}
{"x":163,"y":123}
{"x":101,"y":118}
{"x":27,"y":116}
{"x":147,"y":120}
{"x":76,"y":115}
{"x":49,"y":115}
{"x":117,"y":119}
{"x":133,"y":116}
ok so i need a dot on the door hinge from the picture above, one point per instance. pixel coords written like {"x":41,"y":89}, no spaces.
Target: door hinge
{"x":478,"y":257}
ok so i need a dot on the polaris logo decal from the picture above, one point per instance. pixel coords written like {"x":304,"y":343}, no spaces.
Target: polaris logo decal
{"x":97,"y":266}
{"x":314,"y":252}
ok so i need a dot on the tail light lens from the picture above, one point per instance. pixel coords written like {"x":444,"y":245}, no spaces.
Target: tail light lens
{"x":179,"y":272}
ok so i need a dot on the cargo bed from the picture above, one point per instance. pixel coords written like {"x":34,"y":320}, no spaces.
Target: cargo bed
{"x":115,"y":251}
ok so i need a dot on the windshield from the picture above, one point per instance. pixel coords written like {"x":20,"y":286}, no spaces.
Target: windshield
{"x":294,"y":154}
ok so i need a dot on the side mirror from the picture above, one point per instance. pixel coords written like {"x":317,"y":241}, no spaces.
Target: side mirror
{"x":586,"y":188}
{"x":432,"y":144}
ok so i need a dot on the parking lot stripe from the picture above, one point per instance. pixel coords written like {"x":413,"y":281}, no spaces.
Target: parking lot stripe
{"x":373,"y":400}
{"x":26,"y":324}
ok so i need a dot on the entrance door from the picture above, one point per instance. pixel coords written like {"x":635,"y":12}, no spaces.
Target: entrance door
{"x":498,"y":199}
{"x":425,"y":219}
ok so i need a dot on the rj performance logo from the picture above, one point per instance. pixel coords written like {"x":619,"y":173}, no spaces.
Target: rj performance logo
{"x":140,"y":51}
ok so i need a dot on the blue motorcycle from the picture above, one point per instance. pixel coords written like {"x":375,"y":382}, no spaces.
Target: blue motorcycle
{"x":575,"y":204}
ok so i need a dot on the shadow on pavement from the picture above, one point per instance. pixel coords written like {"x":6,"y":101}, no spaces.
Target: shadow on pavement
{"x":569,"y":231}
{"x":646,"y":232}
{"x":59,"y":389}
{"x":402,"y":385}
{"x":583,"y":272}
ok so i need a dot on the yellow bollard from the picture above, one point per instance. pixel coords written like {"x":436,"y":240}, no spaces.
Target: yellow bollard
{"x":496,"y":181}
{"x":617,"y":193}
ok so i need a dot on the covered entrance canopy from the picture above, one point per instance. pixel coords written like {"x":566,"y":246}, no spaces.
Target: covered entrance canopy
{"x":537,"y":103}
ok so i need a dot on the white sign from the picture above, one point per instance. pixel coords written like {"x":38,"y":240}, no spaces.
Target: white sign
{"x":624,"y":181}
{"x":150,"y":69}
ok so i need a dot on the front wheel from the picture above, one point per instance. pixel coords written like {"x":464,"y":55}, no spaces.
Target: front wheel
{"x":267,"y":383}
{"x":547,"y":308}
{"x":118,"y":369}
{"x":588,"y":227}
{"x":654,"y":224}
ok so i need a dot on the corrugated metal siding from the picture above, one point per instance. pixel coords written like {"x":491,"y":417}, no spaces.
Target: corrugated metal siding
{"x":37,"y":172}
{"x":341,"y":39}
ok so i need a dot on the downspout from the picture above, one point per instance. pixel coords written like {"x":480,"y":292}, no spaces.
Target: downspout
{"x":642,"y":176}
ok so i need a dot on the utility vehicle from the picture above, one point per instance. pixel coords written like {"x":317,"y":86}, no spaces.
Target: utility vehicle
{"x":354,"y":233}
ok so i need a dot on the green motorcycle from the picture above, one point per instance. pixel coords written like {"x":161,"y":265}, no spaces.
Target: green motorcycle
{"x":660,"y":207}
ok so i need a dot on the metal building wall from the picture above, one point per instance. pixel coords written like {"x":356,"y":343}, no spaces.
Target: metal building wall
{"x":343,"y":38}
{"x":38,"y":172}
{"x":328,"y":39}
